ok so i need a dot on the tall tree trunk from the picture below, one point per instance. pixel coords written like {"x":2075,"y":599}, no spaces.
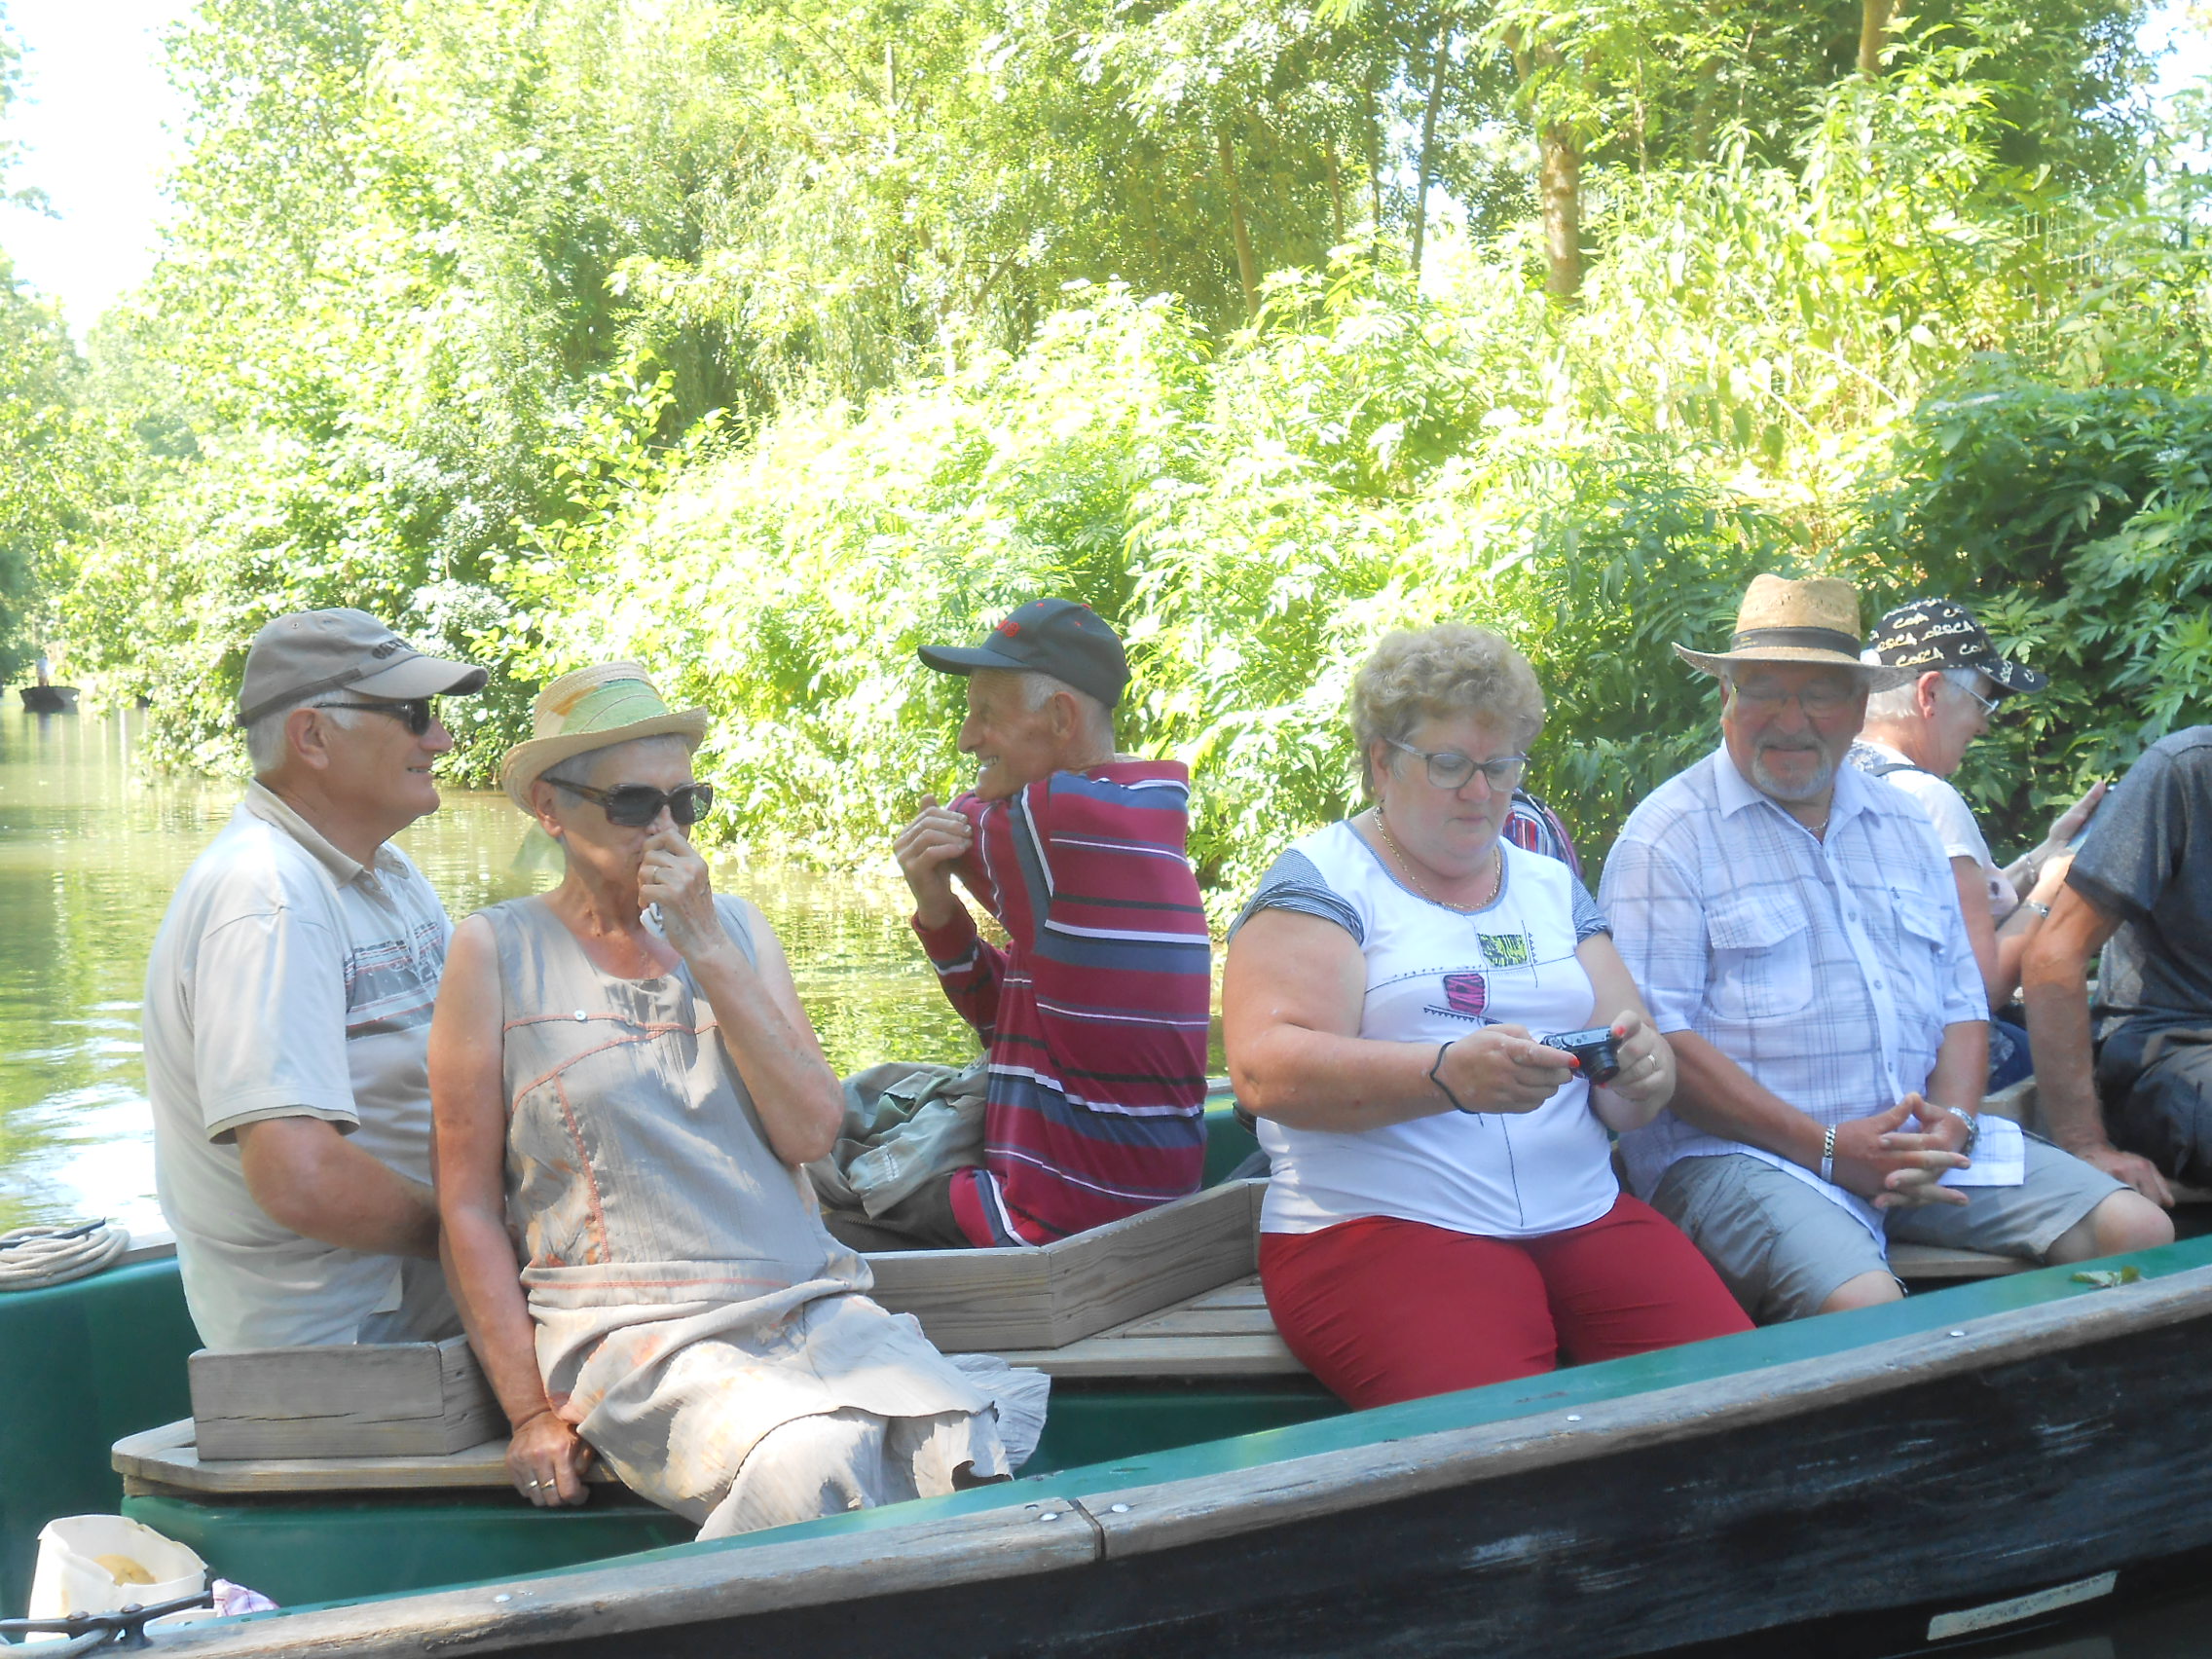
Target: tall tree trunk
{"x":1246,"y":271}
{"x":1873,"y":34}
{"x":1374,"y":165}
{"x":1428,"y":135}
{"x":1559,"y":183}
{"x":1336,"y":196}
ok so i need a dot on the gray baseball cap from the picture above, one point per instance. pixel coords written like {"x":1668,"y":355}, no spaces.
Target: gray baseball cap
{"x":312,"y":651}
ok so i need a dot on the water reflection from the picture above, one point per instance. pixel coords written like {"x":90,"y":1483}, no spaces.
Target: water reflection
{"x":90,"y":848}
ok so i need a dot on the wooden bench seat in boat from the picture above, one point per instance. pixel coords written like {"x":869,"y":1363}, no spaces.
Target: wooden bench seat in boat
{"x":1113,"y":1291}
{"x":1223,"y":1332}
{"x":411,"y":1399}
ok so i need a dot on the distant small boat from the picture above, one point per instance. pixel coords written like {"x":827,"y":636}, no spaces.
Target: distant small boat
{"x":48,"y":699}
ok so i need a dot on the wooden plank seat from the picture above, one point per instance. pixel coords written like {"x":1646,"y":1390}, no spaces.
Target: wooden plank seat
{"x":1224,"y":1332}
{"x":1217,"y":1330}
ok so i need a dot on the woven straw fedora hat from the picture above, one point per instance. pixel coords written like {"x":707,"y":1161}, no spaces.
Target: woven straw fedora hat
{"x":593,"y":708}
{"x":1811,"y":621}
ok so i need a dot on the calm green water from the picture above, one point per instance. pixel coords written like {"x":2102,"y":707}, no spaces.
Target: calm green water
{"x":91,"y":845}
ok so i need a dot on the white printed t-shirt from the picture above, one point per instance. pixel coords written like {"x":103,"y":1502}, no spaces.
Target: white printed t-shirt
{"x":1433,"y":974}
{"x":288,"y":981}
{"x":1947,"y":810}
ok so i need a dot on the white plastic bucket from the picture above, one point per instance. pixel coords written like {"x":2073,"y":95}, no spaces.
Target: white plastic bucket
{"x":95,"y":1563}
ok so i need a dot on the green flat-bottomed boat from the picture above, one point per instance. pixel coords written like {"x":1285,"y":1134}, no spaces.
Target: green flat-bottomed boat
{"x":1973,"y":1457}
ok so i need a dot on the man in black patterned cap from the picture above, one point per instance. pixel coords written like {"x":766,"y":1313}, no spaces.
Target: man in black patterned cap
{"x":1915,"y":736}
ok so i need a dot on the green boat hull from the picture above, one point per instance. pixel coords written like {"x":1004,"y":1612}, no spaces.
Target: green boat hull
{"x":85,"y":1364}
{"x":82,"y":1365}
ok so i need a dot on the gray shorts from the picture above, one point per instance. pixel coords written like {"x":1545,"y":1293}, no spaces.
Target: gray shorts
{"x":1782,"y":1249}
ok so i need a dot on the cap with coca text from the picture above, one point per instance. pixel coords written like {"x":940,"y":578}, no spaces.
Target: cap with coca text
{"x":1058,"y":636}
{"x":1932,"y":634}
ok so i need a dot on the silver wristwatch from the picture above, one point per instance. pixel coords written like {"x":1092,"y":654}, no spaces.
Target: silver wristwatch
{"x":1972,"y":1124}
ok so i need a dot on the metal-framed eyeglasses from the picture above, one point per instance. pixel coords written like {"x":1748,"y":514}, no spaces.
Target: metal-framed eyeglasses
{"x":1989,"y":705}
{"x":633,"y":806}
{"x":1448,"y":769}
{"x":1819,"y":699}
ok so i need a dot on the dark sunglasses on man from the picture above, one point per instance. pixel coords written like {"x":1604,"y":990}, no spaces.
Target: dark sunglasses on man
{"x":633,"y":806}
{"x":414,"y":712}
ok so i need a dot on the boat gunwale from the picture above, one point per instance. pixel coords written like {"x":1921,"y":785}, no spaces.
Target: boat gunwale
{"x":842,"y":1559}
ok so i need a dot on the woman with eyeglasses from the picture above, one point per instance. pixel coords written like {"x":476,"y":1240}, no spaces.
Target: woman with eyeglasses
{"x":626,"y":1090}
{"x":1442,"y":1211}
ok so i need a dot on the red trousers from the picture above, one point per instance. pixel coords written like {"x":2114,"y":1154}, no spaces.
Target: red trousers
{"x":1381,"y":1309}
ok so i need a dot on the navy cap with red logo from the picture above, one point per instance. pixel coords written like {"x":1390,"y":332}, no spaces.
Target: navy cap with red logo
{"x":1058,"y":636}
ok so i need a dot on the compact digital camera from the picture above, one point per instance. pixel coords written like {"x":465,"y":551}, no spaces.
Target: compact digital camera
{"x":1593,"y":1048}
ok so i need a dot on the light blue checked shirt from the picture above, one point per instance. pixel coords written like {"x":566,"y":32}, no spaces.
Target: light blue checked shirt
{"x":1827,"y":969}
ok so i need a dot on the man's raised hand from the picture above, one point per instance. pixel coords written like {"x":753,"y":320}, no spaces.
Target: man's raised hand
{"x":926,"y":850}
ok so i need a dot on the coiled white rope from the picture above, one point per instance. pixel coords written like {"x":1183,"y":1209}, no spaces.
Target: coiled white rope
{"x":31,"y":1258}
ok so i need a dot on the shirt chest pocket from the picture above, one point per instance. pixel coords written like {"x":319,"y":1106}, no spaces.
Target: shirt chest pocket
{"x":1762,"y":960}
{"x":1923,"y":932}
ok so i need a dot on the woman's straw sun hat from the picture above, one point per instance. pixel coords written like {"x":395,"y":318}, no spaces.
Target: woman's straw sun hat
{"x":593,"y":708}
{"x":1811,"y":621}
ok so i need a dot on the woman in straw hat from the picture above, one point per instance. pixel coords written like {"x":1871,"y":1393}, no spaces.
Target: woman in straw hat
{"x":627,"y":1107}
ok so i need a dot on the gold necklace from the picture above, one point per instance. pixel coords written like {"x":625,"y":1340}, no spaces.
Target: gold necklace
{"x":1496,"y":870}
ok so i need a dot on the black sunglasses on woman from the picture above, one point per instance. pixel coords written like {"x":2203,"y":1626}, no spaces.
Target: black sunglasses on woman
{"x":633,"y":806}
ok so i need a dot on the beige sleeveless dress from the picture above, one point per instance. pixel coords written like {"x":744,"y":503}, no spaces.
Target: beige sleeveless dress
{"x":696,"y":1323}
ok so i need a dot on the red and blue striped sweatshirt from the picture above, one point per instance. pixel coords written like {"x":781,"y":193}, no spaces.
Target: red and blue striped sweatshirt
{"x":1096,"y":1013}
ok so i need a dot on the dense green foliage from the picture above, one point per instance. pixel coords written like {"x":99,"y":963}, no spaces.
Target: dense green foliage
{"x":768,"y":341}
{"x":56,"y":462}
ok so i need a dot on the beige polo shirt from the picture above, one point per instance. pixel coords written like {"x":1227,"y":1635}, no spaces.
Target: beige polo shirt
{"x":288,"y":981}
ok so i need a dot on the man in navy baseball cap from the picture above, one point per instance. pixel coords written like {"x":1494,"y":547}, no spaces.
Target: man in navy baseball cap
{"x":1095,"y":1009}
{"x":1058,"y":636}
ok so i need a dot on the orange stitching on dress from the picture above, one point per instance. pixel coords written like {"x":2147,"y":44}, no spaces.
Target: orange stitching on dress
{"x":643,"y":1036}
{"x":616,"y":1018}
{"x":591,"y":1177}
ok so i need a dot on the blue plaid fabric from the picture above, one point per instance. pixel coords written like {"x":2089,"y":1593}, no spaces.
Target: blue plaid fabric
{"x":1827,"y":969}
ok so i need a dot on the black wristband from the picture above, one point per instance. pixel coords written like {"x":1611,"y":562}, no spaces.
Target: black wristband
{"x":1443,"y":1049}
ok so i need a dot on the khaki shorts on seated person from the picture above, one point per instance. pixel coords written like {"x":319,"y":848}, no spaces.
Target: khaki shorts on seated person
{"x":1782,"y":1249}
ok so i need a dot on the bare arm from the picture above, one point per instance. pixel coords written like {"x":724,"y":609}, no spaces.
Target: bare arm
{"x":2054,"y":983}
{"x":764,"y":1030}
{"x":1960,"y":1074}
{"x":306,"y":1176}
{"x":1981,"y":927}
{"x":2012,"y":934}
{"x":468,"y":1101}
{"x":2026,"y":872}
{"x":1647,"y":1080}
{"x":1291,"y":997}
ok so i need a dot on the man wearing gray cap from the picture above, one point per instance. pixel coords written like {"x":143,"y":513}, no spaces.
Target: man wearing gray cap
{"x":289,"y":1004}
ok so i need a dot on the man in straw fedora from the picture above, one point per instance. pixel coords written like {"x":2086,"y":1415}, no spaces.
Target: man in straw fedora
{"x":289,"y":1004}
{"x":1795,"y":929}
{"x":627,"y":1091}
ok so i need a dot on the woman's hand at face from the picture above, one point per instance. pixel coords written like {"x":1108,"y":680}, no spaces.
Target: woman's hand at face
{"x":1501,"y":1068}
{"x":673,"y":875}
{"x":1646,"y":1077}
{"x":547,"y":1461}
